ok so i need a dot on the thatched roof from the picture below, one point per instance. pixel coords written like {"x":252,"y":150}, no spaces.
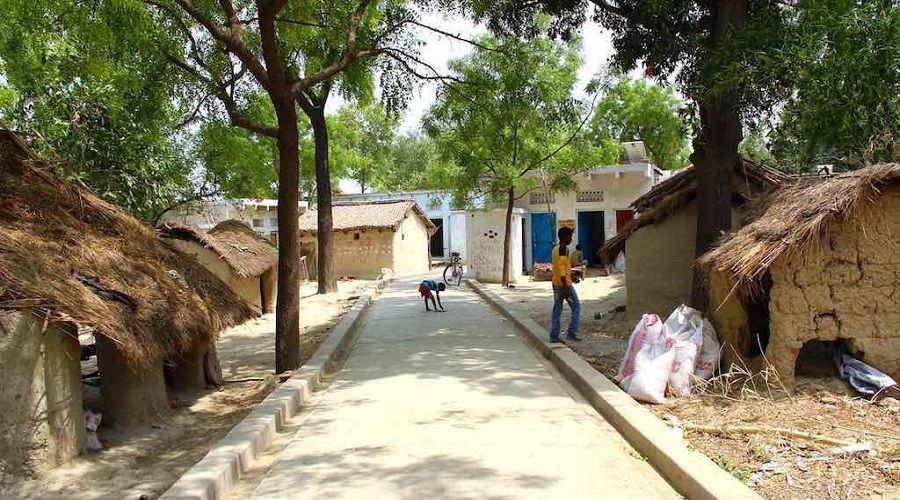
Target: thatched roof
{"x":364,"y":215}
{"x":793,"y":217}
{"x":70,"y":256}
{"x":750,"y":179}
{"x":245,"y":252}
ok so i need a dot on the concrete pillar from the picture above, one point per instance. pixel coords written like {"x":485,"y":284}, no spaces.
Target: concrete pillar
{"x":129,"y":397}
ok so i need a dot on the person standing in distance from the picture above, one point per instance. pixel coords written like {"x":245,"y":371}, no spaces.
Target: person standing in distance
{"x":563,"y":289}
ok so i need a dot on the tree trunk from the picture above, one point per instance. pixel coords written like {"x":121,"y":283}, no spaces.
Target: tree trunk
{"x":287,"y":307}
{"x":327,"y":280}
{"x":507,"y":236}
{"x":716,"y":154}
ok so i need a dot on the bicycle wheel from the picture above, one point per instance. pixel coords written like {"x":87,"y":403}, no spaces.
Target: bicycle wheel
{"x":448,"y":274}
{"x":458,"y":273}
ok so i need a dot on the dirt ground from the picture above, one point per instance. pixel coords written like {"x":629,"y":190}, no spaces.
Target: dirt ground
{"x":143,"y":461}
{"x":774,"y":466}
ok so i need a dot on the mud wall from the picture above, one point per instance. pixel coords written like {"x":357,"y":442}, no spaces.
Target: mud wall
{"x":42,"y":419}
{"x":246,"y":287}
{"x":359,"y":254}
{"x":412,"y":255}
{"x":843,"y":287}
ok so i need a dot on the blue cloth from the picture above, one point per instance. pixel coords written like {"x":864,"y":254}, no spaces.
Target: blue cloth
{"x":430,"y":284}
{"x":574,"y":305}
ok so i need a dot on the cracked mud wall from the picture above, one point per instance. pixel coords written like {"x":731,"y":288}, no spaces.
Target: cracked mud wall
{"x":844,"y":286}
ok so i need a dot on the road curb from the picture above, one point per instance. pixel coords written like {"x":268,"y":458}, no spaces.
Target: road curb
{"x":691,"y":473}
{"x":222,"y":467}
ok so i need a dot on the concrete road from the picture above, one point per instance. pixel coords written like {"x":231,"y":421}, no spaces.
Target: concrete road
{"x":452,"y":405}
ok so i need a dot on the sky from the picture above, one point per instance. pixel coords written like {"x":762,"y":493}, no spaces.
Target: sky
{"x":439,"y":50}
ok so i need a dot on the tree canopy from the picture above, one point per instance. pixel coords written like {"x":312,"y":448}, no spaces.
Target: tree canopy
{"x":637,"y":110}
{"x":94,"y":91}
{"x":509,"y":114}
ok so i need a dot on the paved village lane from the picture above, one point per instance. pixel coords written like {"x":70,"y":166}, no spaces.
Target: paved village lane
{"x":452,"y":405}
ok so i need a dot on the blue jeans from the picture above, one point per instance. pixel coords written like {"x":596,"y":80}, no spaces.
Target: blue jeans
{"x":574,"y":305}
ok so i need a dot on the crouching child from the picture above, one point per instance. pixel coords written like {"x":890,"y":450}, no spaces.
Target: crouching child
{"x":429,"y":289}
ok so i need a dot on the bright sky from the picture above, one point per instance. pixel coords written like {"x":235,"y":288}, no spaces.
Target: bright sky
{"x":439,"y":50}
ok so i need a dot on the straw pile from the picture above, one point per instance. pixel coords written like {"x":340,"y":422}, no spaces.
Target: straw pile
{"x":56,"y":239}
{"x":247,"y":253}
{"x":793,"y":217}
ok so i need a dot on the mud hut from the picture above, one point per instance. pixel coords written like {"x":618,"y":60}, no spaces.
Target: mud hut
{"x":661,"y":240}
{"x":69,"y":259}
{"x":235,"y":254}
{"x":376,"y":235}
{"x":818,"y":263}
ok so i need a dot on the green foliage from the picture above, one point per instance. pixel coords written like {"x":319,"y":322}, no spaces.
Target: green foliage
{"x":92,"y":84}
{"x":511,"y":113}
{"x":847,"y":105}
{"x":636,"y":110}
{"x":361,"y":143}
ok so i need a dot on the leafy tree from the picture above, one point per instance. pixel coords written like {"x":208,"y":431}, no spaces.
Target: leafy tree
{"x":731,"y":58}
{"x":636,"y":110}
{"x":415,"y":164}
{"x":295,"y":52}
{"x":75,"y":82}
{"x":509,"y":115}
{"x":846,"y":109}
{"x":363,"y":143}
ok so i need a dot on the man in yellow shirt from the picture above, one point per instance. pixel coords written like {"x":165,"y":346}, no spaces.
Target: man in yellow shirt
{"x":563,"y":290}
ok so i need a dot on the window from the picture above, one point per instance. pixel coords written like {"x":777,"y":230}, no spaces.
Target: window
{"x":273,"y":221}
{"x":355,"y":236}
{"x":257,"y":223}
{"x":588,"y":196}
{"x":540,"y":198}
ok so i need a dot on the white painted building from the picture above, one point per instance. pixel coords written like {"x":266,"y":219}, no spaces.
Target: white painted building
{"x":437,"y":205}
{"x":260,"y":214}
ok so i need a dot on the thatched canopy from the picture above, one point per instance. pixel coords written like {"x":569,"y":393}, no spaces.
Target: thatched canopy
{"x":362,"y":216}
{"x":750,"y":179}
{"x":245,"y":252}
{"x":793,"y":217}
{"x":71,"y":256}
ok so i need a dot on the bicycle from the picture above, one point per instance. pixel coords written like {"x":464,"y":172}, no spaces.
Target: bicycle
{"x":453,"y":273}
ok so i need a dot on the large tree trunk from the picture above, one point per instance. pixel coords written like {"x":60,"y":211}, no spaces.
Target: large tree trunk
{"x":327,"y":280}
{"x":507,"y":236}
{"x":287,"y":307}
{"x":716,"y":154}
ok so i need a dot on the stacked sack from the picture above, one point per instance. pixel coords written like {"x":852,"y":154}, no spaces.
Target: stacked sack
{"x":668,"y":355}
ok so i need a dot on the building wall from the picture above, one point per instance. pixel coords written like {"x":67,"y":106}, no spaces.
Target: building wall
{"x":844,"y":288}
{"x":458,"y":233}
{"x":619,"y":191}
{"x":658,"y":264}
{"x":435,"y":203}
{"x":659,"y":261}
{"x":411,"y":251}
{"x":484,"y":237}
{"x":41,"y":395}
{"x":246,"y":287}
{"x":362,"y":258}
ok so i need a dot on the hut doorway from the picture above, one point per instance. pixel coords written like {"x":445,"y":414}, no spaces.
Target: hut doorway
{"x":758,"y":317}
{"x":816,"y":358}
{"x":437,"y":239}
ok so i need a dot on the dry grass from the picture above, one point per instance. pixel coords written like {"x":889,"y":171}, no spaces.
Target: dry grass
{"x":51,"y":232}
{"x":246,"y":252}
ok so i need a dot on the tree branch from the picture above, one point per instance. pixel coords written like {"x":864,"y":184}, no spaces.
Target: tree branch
{"x":608,"y":7}
{"x":455,"y":37}
{"x":350,"y":53}
{"x":234,"y":44}
{"x":395,"y":54}
{"x":568,"y":141}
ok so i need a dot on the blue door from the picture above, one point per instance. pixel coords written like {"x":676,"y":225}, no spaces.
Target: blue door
{"x":590,"y":234}
{"x":543,"y":234}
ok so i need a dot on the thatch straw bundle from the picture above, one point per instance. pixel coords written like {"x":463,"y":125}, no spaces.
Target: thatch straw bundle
{"x":750,"y":179}
{"x":52,"y":233}
{"x":247,"y":253}
{"x":792,"y":218}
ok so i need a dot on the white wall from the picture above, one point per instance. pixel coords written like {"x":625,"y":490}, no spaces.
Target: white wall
{"x":620,"y":188}
{"x":457,"y":232}
{"x":484,"y":239}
